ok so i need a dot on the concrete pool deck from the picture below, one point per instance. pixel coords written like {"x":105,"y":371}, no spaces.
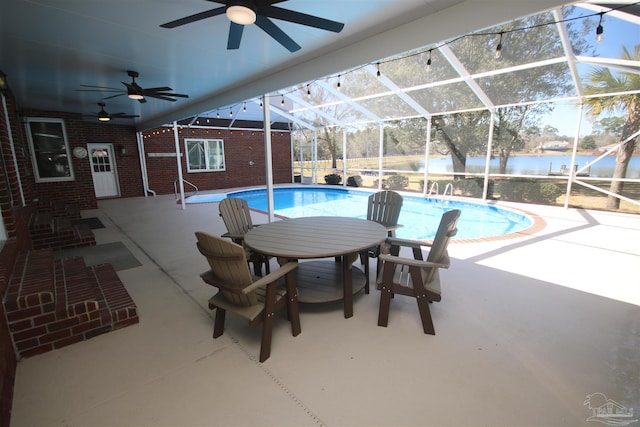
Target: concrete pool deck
{"x":527,"y":328}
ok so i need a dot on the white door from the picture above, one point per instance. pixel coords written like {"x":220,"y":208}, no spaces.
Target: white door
{"x":103,"y":170}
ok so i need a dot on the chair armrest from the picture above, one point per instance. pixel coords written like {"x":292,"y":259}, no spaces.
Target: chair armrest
{"x":233,"y":236}
{"x":416,"y":262}
{"x":271,"y":277}
{"x":396,"y":241}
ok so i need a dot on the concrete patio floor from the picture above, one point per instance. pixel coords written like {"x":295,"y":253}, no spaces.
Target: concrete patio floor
{"x":527,"y":328}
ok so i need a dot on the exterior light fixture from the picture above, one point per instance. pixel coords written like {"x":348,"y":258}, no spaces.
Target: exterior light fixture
{"x":241,"y":12}
{"x":3,"y":82}
{"x":600,"y":30}
{"x":499,"y":48}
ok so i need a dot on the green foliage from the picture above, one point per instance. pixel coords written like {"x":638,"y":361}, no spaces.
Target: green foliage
{"x":588,"y":143}
{"x":528,"y":190}
{"x":354,"y":181}
{"x":333,"y":179}
{"x":396,"y":182}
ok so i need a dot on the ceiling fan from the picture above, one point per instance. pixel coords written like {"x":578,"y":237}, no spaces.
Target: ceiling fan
{"x":103,"y":116}
{"x":135,"y":91}
{"x":246,"y":12}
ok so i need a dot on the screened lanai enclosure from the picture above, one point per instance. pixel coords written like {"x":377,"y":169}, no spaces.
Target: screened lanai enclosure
{"x":544,"y":109}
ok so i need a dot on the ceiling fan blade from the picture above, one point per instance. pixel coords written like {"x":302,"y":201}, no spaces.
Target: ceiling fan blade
{"x":193,"y":18}
{"x":123,"y":116}
{"x":276,"y":33}
{"x":158,"y":89}
{"x":301,"y":18}
{"x":159,"y":96}
{"x":155,"y":93}
{"x":114,"y":96}
{"x":235,"y":35}
{"x":105,"y":88}
{"x":99,"y":90}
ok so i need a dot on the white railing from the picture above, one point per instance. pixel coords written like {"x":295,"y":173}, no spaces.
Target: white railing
{"x":175,"y":187}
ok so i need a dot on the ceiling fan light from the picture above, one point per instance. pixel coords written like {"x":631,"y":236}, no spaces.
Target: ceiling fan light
{"x":241,"y":12}
{"x":135,"y":96}
{"x":103,"y":116}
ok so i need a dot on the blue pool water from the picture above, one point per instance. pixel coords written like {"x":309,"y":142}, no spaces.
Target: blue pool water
{"x":419,"y":216}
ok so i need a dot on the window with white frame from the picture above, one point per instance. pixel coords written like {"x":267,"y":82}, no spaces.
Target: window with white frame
{"x":49,"y":149}
{"x":204,"y":155}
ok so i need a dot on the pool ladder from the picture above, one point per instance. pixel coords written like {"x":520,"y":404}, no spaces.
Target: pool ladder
{"x":448,"y":189}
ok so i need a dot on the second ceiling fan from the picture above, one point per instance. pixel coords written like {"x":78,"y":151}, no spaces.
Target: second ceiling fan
{"x":134,"y":91}
{"x":246,"y":12}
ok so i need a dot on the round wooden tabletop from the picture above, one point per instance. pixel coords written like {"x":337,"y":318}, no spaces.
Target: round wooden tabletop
{"x":315,"y":237}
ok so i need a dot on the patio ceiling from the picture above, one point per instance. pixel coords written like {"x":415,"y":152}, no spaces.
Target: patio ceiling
{"x":400,"y":87}
{"x":49,"y":49}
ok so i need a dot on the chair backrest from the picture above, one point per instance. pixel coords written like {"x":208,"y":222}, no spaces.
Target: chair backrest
{"x":446,"y":230}
{"x":229,"y":266}
{"x":384,"y":208}
{"x":236,"y":215}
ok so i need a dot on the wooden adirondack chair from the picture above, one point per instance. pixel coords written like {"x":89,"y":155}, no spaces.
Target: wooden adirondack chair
{"x":384,"y":208}
{"x":237,"y":218}
{"x":415,"y":277}
{"x":254,"y":298}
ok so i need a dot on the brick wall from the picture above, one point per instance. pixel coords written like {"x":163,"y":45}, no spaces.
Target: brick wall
{"x":240,"y":148}
{"x":80,"y":192}
{"x":15,"y":219}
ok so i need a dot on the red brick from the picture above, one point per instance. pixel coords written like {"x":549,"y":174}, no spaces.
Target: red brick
{"x":36,"y":350}
{"x":55,"y":336}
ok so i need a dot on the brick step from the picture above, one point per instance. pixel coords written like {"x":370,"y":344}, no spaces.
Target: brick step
{"x":59,"y":232}
{"x":51,"y":303}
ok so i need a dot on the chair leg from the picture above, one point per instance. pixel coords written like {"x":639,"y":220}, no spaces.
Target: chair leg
{"x":267,"y":321}
{"x":425,"y":315}
{"x":385,"y":302}
{"x":218,"y":325}
{"x":364,"y":258}
{"x":293,"y":312}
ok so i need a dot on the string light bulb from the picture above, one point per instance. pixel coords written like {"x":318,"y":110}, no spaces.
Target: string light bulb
{"x":498,"y":54}
{"x":230,"y":112}
{"x":308,"y":92}
{"x":338,"y":84}
{"x":429,"y":61}
{"x":282,"y":101}
{"x":378,"y":73}
{"x":217,"y":114}
{"x":244,"y":107}
{"x":600,"y":30}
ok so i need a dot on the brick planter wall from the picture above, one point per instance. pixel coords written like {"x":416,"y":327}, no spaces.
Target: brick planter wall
{"x":54,"y":303}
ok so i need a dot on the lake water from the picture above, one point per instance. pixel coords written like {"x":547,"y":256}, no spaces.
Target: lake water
{"x":537,"y":165}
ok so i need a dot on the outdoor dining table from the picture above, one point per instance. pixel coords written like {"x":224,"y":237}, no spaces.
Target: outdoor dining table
{"x":341,"y":238}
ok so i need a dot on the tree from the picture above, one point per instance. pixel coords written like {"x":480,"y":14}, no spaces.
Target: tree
{"x":462,"y":134}
{"x":588,"y":143}
{"x":602,"y":81}
{"x":610,"y":125}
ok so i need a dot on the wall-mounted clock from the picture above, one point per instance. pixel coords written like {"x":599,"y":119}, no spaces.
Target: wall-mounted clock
{"x":80,"y":152}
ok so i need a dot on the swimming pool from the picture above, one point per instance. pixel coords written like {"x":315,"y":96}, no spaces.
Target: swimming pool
{"x":419,"y":216}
